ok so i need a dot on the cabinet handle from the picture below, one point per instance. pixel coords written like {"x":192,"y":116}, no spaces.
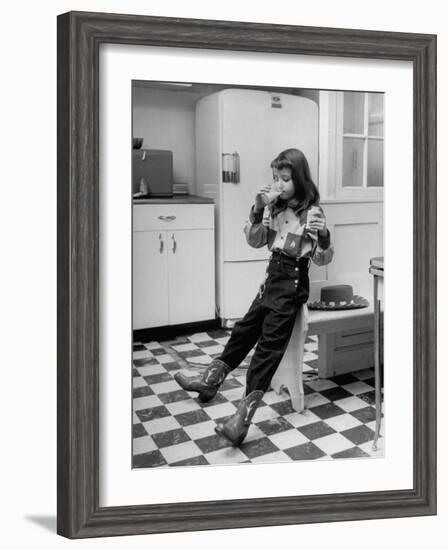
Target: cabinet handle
{"x":161,"y":243}
{"x":174,"y":244}
{"x":167,"y":218}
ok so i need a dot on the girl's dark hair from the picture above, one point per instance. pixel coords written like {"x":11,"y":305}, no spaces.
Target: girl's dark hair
{"x":306,"y":191}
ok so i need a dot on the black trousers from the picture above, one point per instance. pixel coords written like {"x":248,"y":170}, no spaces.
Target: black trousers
{"x":269,"y":321}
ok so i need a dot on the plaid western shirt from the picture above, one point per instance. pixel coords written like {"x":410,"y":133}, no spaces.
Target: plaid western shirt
{"x":285,"y":230}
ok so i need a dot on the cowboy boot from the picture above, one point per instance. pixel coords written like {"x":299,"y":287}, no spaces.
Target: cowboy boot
{"x":235,"y":429}
{"x":206,"y":384}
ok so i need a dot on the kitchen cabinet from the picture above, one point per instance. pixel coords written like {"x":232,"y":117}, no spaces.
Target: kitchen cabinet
{"x":150,"y":279}
{"x":173,"y":264}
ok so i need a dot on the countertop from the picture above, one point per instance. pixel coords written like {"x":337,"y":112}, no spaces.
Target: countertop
{"x":176,"y":199}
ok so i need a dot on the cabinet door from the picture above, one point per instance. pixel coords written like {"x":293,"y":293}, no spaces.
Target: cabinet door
{"x":149,"y":279}
{"x":191,"y":266}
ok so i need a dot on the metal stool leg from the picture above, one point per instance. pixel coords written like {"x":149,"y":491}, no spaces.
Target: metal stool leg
{"x":377,"y":335}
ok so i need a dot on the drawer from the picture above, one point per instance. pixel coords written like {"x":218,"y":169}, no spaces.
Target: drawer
{"x":354,"y":337}
{"x":160,"y":217}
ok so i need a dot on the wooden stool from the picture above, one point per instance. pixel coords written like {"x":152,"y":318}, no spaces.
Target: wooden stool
{"x":289,"y":372}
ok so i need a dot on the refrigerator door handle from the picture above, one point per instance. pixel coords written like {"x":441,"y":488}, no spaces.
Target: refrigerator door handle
{"x":231,"y":167}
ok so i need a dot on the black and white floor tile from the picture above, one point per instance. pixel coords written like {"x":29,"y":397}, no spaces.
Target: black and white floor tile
{"x":172,"y":428}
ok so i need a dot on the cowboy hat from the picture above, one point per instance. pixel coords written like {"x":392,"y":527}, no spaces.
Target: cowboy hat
{"x":338,"y":297}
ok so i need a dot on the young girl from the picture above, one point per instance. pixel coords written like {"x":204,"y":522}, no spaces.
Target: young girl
{"x":296,"y":233}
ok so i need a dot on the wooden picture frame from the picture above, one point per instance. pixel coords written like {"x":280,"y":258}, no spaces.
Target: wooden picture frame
{"x":80,"y":35}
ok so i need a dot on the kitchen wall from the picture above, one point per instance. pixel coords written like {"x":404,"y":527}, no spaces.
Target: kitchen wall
{"x":165,"y":120}
{"x":310,"y":94}
{"x":357,"y":234}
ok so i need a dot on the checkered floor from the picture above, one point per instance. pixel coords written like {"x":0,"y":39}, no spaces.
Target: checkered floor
{"x":172,"y":428}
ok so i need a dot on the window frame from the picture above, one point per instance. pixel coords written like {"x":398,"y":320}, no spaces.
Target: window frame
{"x":351,"y":191}
{"x":331,"y":143}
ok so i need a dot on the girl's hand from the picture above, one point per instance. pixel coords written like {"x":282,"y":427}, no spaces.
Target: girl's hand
{"x":319,"y":224}
{"x":259,"y":201}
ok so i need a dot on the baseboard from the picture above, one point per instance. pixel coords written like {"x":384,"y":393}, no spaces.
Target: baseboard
{"x":171,"y":331}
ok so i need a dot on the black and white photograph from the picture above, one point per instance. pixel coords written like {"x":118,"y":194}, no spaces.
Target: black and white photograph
{"x":257,"y":274}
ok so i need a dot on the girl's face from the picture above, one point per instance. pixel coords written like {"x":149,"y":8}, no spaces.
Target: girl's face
{"x":283,"y":182}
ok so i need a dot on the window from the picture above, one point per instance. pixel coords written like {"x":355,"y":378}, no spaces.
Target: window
{"x":351,"y":145}
{"x":363,"y":121}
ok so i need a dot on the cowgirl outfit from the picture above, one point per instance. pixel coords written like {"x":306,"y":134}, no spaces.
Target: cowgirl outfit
{"x":271,"y":316}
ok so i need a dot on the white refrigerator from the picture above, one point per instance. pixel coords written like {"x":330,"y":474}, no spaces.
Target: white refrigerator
{"x":238,"y":134}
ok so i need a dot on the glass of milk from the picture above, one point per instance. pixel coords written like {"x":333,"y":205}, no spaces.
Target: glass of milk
{"x":270,"y":196}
